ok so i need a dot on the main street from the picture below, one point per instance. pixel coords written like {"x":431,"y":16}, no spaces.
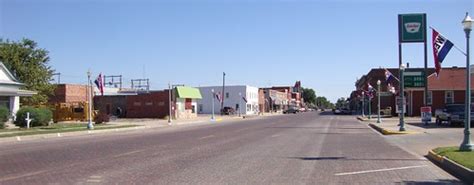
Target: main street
{"x":307,"y":148}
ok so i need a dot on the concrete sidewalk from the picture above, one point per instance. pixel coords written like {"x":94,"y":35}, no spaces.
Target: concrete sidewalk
{"x":390,"y":125}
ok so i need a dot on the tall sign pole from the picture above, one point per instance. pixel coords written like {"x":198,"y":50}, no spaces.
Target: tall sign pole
{"x":412,"y":29}
{"x":425,"y":100}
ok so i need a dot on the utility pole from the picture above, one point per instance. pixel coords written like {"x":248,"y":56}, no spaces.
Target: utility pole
{"x":223,"y":92}
{"x":59,"y":77}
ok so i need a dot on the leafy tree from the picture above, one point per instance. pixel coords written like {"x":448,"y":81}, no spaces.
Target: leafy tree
{"x":322,"y":102}
{"x":341,"y":102}
{"x":30,"y":65}
{"x":309,"y":95}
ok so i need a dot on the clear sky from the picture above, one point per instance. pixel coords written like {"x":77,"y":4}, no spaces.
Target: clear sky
{"x":325,"y":44}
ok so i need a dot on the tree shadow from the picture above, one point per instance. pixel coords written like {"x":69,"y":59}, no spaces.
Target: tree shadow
{"x":351,"y":159}
{"x":439,"y":181}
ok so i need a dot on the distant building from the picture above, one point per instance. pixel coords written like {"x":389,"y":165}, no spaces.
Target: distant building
{"x":151,"y":104}
{"x":231,"y":99}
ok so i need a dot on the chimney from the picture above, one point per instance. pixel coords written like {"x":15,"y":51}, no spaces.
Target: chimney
{"x":408,"y":64}
{"x":455,"y":67}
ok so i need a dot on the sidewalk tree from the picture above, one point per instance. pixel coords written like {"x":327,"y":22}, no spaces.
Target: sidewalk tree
{"x":30,"y":65}
{"x":309,"y":96}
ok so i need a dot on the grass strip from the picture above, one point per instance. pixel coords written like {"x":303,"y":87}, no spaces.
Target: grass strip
{"x":59,"y":129}
{"x":463,"y":158}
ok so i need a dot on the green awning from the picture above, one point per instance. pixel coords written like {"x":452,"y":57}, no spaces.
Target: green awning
{"x":188,"y":92}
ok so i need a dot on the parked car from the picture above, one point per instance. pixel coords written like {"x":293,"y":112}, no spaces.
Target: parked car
{"x":302,"y":109}
{"x":453,"y":113}
{"x":386,"y":111}
{"x":291,"y":110}
{"x":228,"y":111}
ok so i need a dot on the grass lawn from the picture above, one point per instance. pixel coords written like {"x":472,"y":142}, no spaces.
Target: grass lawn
{"x":463,"y":158}
{"x":55,"y":128}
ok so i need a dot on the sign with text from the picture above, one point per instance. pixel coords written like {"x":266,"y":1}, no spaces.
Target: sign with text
{"x":412,"y":27}
{"x":425,"y":114}
{"x":414,"y":78}
{"x":398,"y":108}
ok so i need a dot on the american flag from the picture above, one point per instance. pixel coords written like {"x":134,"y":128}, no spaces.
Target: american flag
{"x":100,"y":84}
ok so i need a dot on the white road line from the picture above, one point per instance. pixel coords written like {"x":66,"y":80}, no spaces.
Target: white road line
{"x":379,"y":170}
{"x":276,"y":135}
{"x":23,"y":175}
{"x":128,"y":153}
{"x":207,"y":137}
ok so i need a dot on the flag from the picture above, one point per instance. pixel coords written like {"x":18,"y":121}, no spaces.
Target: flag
{"x":100,"y":84}
{"x":218,"y":96}
{"x":441,"y":47}
{"x":245,"y":99}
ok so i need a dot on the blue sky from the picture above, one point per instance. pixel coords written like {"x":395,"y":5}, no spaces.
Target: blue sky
{"x":325,"y":44}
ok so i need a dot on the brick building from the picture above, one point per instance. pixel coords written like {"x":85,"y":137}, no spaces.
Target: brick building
{"x":68,"y":93}
{"x":449,"y":88}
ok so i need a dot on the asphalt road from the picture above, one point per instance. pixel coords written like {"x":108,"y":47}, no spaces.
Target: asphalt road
{"x":306,"y":148}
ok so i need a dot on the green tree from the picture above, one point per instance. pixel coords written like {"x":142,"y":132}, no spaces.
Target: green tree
{"x":309,"y":96}
{"x":323,"y":102}
{"x":30,"y":65}
{"x":341,"y":102}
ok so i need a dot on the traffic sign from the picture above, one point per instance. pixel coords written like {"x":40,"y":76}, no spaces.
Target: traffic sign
{"x":397,"y":105}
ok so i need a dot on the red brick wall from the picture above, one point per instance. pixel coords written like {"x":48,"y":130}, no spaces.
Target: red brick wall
{"x":66,"y":93}
{"x":459,"y":97}
{"x":437,"y":100}
{"x":151,"y":105}
{"x":101,"y":103}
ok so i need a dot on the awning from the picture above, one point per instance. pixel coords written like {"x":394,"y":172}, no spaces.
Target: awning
{"x":17,"y":93}
{"x":188,"y":92}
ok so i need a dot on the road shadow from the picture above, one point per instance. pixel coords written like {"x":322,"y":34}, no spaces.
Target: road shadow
{"x":433,"y":125}
{"x":350,"y":159}
{"x":439,"y":181}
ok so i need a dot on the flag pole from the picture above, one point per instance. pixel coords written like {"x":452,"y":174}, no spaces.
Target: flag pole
{"x":454,"y":45}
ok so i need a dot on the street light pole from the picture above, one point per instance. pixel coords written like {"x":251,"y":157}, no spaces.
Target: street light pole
{"x":370,"y":108}
{"x":89,"y":92}
{"x":363,"y":103}
{"x":378,"y":101}
{"x":466,"y":143}
{"x":213,"y":96}
{"x":402,"y":98}
{"x":169,"y":106}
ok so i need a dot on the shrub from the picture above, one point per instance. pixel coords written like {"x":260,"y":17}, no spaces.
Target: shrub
{"x":39,"y":116}
{"x":101,"y":118}
{"x":4,"y":114}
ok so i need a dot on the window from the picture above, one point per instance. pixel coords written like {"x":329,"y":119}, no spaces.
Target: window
{"x":200,"y":107}
{"x":249,"y":107}
{"x":429,"y":98}
{"x":227,"y":95}
{"x":448,"y":97}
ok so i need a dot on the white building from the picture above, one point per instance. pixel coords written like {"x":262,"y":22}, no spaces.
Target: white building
{"x":231,"y":99}
{"x":10,"y":91}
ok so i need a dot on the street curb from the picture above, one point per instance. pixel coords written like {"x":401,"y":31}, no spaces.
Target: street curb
{"x":362,"y":119}
{"x":389,"y":132}
{"x":451,"y":167}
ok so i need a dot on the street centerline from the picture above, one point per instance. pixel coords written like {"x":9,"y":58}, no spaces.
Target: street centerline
{"x":205,"y":137}
{"x":379,"y":170}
